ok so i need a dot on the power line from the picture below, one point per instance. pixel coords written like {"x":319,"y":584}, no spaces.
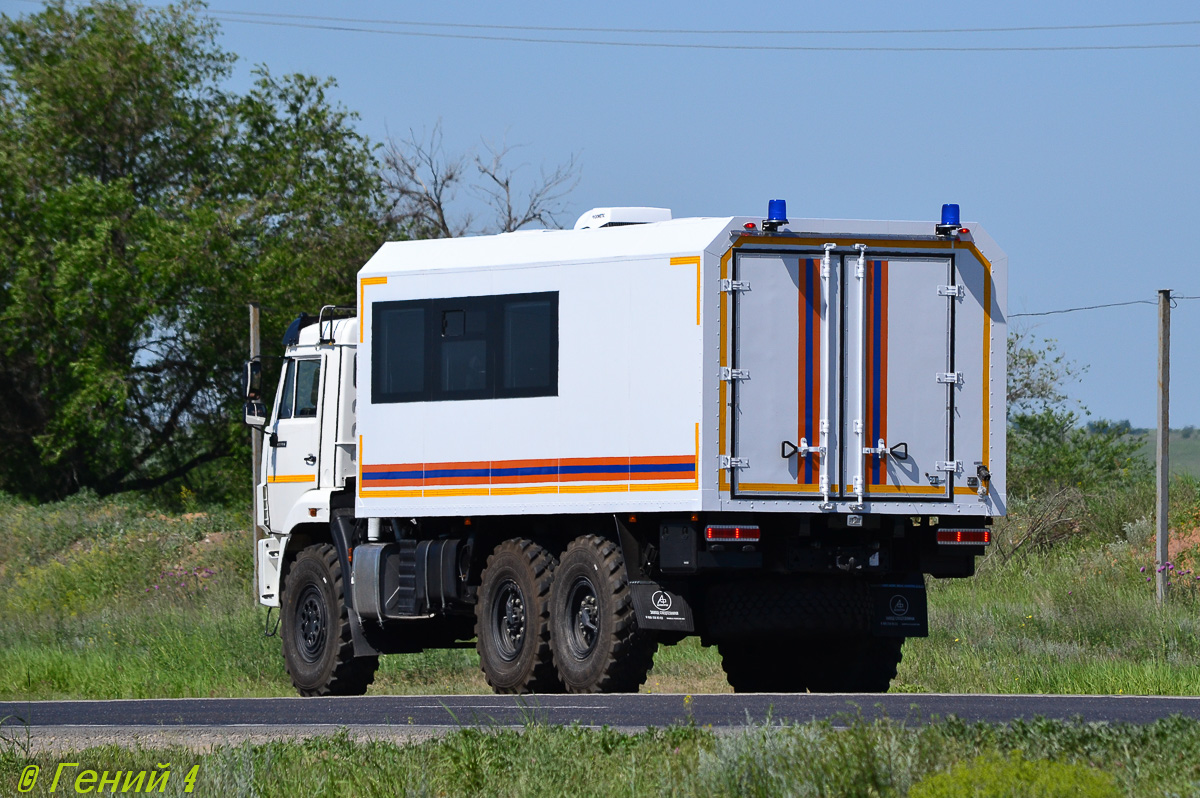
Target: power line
{"x":709,"y":31}
{"x":700,"y":46}
{"x":1174,"y":298}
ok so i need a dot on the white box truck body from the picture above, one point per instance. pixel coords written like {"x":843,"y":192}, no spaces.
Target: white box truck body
{"x":767,"y":431}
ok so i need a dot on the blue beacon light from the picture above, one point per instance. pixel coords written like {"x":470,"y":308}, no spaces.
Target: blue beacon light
{"x":950,"y":218}
{"x":776,"y":214}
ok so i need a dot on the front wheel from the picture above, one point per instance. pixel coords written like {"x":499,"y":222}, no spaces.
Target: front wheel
{"x":593,"y":627}
{"x":318,"y":650}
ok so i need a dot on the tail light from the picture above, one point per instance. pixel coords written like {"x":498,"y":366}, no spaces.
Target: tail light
{"x":731,"y":533}
{"x":964,"y":537}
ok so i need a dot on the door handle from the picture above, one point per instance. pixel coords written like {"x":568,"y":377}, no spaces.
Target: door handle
{"x":311,"y":459}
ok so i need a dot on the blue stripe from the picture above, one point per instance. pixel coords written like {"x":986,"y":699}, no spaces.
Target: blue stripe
{"x":459,"y":472}
{"x":370,"y":475}
{"x":520,"y":471}
{"x":650,"y":467}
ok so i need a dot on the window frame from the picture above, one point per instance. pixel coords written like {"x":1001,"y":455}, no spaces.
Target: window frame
{"x":493,"y":306}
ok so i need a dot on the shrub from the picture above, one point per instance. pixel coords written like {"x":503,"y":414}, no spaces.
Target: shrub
{"x":991,"y":776}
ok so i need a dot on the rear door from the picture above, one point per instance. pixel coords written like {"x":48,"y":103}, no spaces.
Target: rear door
{"x":899,"y":376}
{"x":783,"y":374}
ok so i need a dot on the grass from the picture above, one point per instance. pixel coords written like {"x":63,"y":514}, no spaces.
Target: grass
{"x":882,"y":758}
{"x":113,"y":599}
{"x":1184,"y":451}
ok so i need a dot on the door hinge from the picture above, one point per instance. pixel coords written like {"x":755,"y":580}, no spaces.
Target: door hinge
{"x":950,"y":377}
{"x":734,"y":285}
{"x":734,"y":374}
{"x":952,"y":466}
{"x":724,"y":461}
{"x":952,"y":290}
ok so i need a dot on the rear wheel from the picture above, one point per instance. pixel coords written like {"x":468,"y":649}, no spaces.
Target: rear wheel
{"x":318,"y":650}
{"x":593,"y":628}
{"x":512,"y":619}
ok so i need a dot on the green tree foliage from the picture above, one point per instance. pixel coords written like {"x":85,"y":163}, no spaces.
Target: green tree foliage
{"x":1049,"y":446}
{"x":142,"y":205}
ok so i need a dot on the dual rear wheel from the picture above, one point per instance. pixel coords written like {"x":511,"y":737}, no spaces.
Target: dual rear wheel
{"x":545,"y":624}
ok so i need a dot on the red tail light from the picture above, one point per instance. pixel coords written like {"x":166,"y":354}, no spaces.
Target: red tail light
{"x":964,"y":537}
{"x":731,"y":533}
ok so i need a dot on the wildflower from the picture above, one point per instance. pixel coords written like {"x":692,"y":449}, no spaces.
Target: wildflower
{"x":1142,"y":569}
{"x":1148,"y":578}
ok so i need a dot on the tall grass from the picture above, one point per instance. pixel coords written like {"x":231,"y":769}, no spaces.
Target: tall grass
{"x":883,"y":758}
{"x":113,"y":598}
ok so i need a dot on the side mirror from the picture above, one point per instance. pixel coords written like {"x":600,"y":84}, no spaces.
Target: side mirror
{"x":252,"y":382}
{"x":255,"y":414}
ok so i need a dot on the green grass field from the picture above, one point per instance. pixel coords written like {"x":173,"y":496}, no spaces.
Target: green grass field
{"x":1184,"y":452}
{"x":107,"y":599}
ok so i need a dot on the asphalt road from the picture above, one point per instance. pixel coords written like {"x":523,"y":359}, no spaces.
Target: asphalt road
{"x":622,"y":711}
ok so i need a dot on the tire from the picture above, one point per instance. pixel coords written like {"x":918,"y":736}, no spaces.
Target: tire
{"x":318,"y":651}
{"x":593,"y":627}
{"x":817,"y":664}
{"x":512,"y":628}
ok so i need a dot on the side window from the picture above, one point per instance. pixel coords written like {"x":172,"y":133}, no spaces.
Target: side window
{"x":289,"y":391}
{"x":308,"y":387}
{"x":489,"y":347}
{"x":398,"y":356}
{"x":530,"y":359}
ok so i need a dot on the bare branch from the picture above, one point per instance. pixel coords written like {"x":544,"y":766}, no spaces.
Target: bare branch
{"x":424,"y":181}
{"x":541,"y":203}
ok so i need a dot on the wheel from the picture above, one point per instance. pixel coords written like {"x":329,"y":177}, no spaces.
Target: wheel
{"x":593,"y":628}
{"x":512,"y":629}
{"x":818,"y":664}
{"x":315,"y":628}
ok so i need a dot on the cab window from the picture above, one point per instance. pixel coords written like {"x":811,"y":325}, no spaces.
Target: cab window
{"x":301,"y":389}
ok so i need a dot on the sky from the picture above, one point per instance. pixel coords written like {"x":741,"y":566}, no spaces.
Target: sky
{"x":1082,"y":164}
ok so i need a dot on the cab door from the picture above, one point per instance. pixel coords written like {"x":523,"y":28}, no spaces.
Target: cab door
{"x":293,"y":439}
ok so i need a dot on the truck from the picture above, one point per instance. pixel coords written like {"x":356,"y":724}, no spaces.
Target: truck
{"x":571,"y":446}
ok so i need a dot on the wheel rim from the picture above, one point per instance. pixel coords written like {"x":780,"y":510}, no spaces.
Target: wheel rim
{"x":509,"y":620}
{"x":311,"y":624}
{"x":583,"y":618}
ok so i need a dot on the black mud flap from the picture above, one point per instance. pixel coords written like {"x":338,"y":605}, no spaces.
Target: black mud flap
{"x":901,"y":609}
{"x":661,"y":608}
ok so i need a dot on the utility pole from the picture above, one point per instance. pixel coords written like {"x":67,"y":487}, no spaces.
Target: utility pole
{"x":256,"y":439}
{"x":1162,"y":458}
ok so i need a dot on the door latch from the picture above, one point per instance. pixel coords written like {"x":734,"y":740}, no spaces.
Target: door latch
{"x":950,"y":377}
{"x":952,"y":290}
{"x":787,"y":449}
{"x":879,"y":451}
{"x":310,"y":459}
{"x":729,"y":374}
{"x":724,"y":461}
{"x":734,"y":285}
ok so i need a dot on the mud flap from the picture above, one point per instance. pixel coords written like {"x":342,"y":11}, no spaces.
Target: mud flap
{"x":661,"y":608}
{"x":901,"y":609}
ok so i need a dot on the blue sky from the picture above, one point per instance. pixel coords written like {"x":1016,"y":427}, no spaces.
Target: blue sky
{"x":1083,"y":165}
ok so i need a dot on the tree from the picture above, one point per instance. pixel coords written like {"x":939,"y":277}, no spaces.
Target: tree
{"x":141,"y":206}
{"x":1037,"y":373}
{"x":1049,"y":447}
{"x":425,"y":182}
